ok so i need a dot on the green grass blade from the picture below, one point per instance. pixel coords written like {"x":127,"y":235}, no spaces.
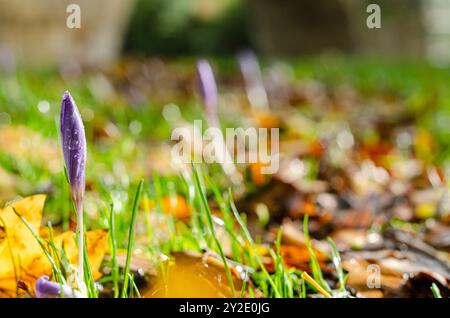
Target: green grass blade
{"x":131,"y":237}
{"x":435,"y":290}
{"x":212,"y":229}
{"x":252,"y":245}
{"x":113,"y":248}
{"x":338,"y":265}
{"x":315,"y":266}
{"x":42,"y":245}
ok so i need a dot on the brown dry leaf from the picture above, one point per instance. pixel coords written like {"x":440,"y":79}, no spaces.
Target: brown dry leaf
{"x":419,"y":284}
{"x":291,"y":235}
{"x":22,"y":258}
{"x":347,"y":238}
{"x":360,"y":274}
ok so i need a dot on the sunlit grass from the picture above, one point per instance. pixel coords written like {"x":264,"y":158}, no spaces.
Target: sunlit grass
{"x":112,"y":174}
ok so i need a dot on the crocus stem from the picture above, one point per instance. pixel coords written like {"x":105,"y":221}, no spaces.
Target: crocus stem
{"x":80,"y":235}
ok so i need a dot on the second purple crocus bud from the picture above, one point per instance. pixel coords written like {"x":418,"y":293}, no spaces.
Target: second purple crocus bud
{"x":254,"y":85}
{"x":208,"y":91}
{"x":47,"y":289}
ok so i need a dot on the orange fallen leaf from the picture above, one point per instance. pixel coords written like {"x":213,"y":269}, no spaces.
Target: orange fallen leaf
{"x":177,"y":206}
{"x":258,"y":177}
{"x":298,"y":257}
{"x":265,"y":119}
{"x":316,"y":148}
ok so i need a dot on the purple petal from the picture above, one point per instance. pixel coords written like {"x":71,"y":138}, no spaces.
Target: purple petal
{"x":74,"y":145}
{"x":208,"y":90}
{"x":47,"y":289}
{"x":251,"y":71}
{"x":249,"y":65}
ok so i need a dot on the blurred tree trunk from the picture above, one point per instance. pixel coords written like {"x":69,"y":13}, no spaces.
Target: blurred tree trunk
{"x":402,"y":31}
{"x":290,"y":27}
{"x":286,"y":27}
{"x":36,"y":30}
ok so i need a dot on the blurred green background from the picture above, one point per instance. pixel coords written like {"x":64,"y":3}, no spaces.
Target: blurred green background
{"x":36,"y":31}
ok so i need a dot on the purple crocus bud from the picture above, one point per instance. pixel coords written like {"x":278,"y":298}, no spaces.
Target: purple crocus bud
{"x":47,"y":289}
{"x":74,"y":149}
{"x":254,"y":86}
{"x":208,"y":91}
{"x":74,"y":146}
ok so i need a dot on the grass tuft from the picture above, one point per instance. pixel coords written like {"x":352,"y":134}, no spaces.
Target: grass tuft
{"x":134,"y":211}
{"x":207,"y":211}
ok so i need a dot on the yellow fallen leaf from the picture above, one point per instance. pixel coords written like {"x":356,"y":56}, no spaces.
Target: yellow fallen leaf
{"x":21,"y":256}
{"x":17,"y":244}
{"x":96,"y":244}
{"x":192,"y":276}
{"x":425,"y":211}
